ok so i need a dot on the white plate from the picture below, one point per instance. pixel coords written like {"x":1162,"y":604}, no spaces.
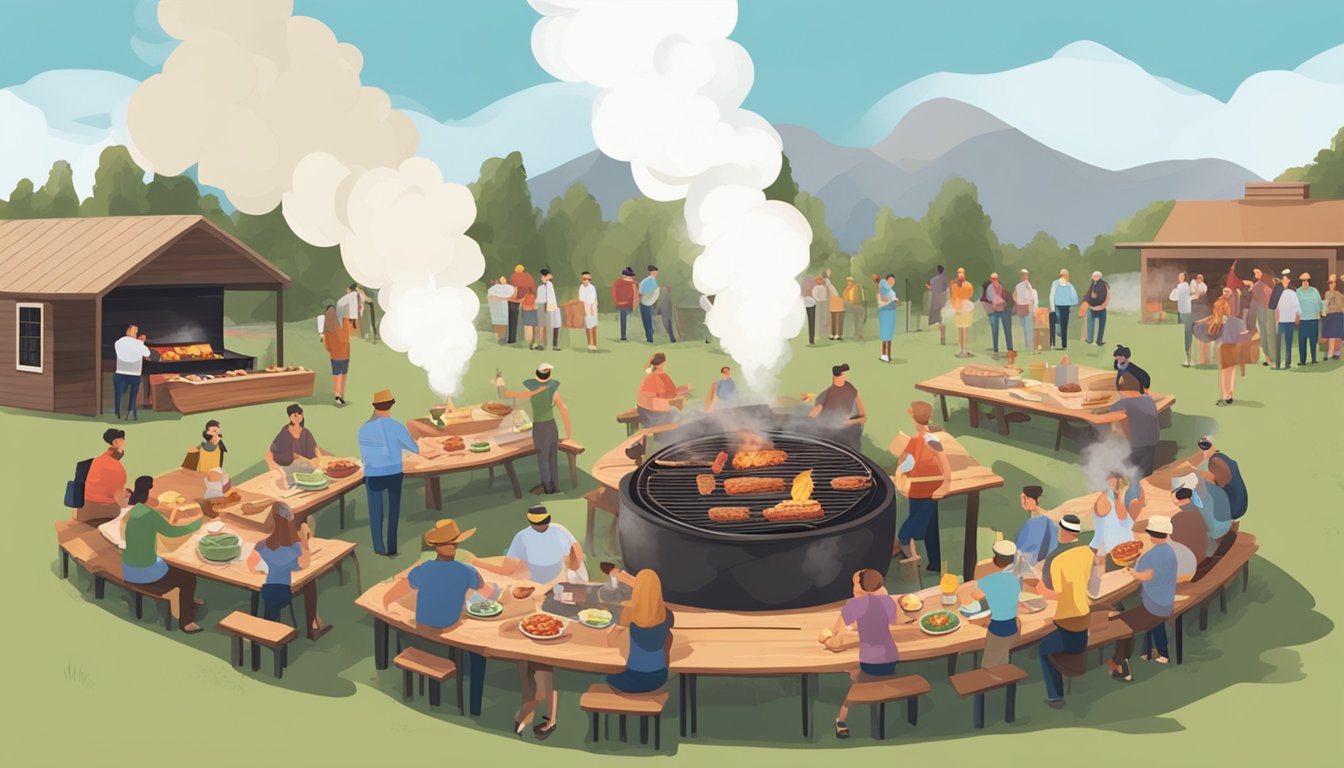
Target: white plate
{"x":214,"y":527}
{"x":564,"y":627}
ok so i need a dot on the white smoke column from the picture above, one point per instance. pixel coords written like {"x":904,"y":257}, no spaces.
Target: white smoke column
{"x":672,"y":89}
{"x":1101,"y":458}
{"x":269,"y":107}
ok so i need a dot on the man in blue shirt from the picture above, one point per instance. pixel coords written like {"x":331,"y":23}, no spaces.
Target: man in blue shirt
{"x":381,"y":441}
{"x":441,"y":586}
{"x":1310,"y":305}
{"x":1039,"y":535}
{"x":1156,"y":574}
{"x":1000,"y":592}
{"x":648,"y":299}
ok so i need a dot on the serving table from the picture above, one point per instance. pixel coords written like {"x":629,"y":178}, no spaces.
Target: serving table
{"x":170,"y":393}
{"x":267,"y":487}
{"x":506,"y":447}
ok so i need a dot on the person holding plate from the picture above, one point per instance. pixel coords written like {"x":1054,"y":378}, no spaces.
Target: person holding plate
{"x":1156,"y":572}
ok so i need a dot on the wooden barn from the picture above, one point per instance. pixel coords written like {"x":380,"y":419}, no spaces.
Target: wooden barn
{"x":1275,"y":226}
{"x":70,"y":287}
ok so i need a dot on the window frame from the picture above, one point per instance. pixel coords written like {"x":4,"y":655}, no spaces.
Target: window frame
{"x":18,"y":335}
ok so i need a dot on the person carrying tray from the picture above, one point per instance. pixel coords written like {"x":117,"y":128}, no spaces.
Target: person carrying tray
{"x":924,"y":464}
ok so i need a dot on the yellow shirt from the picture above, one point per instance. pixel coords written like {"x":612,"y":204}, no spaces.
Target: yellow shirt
{"x":1069,"y":569}
{"x":208,"y":460}
{"x":960,"y":294}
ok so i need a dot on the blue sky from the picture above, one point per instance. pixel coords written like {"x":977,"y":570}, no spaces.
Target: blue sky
{"x":819,"y":63}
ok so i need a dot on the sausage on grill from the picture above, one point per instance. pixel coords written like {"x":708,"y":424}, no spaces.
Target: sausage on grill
{"x":729,"y":514}
{"x":706,"y":484}
{"x":741,"y":486}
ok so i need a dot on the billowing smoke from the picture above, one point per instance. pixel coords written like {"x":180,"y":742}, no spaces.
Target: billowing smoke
{"x":269,"y":107}
{"x":1105,"y":456}
{"x":672,"y":89}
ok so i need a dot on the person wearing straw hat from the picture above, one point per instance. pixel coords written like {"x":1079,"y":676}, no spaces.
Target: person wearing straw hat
{"x":442,"y":587}
{"x":1332,"y":327}
{"x":1156,"y":573}
{"x":999,"y":592}
{"x":1064,"y":578}
{"x":381,"y":441}
{"x":1310,"y":307}
{"x":1289,"y":314}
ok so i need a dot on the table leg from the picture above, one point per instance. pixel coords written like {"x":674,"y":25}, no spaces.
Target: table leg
{"x":1059,"y":434}
{"x":513,"y":478}
{"x":1001,"y":417}
{"x":807,"y":712}
{"x":681,"y":700}
{"x":256,"y":599}
{"x":379,"y":644}
{"x":969,"y":556}
{"x":438,"y":493}
{"x":952,"y":665}
{"x":573,"y":470}
{"x":490,"y":479}
{"x":975,"y":412}
{"x":695,"y":708}
{"x":1180,"y":639}
{"x":942,"y":402}
{"x":342,"y":502}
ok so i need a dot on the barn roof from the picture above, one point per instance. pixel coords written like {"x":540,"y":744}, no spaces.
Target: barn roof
{"x":1251,"y":224}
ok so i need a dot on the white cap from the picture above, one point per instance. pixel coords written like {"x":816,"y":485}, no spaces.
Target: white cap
{"x":994,"y":276}
{"x":1005,"y":548}
{"x":1287,"y":273}
{"x":1063,"y":271}
{"x":1096,"y":275}
{"x":545,"y":367}
{"x":1071,"y":523}
{"x":1024,"y":271}
{"x":1159,"y":524}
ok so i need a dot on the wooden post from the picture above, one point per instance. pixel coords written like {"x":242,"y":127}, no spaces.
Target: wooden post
{"x":279,"y":325}
{"x":98,"y":357}
{"x":1143,"y":289}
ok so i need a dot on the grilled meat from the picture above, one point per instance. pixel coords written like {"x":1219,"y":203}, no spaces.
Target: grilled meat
{"x":720,"y":462}
{"x":729,"y":514}
{"x":741,"y":486}
{"x":706,"y":484}
{"x":787,"y":511}
{"x":852,"y":483}
{"x":759,"y":459}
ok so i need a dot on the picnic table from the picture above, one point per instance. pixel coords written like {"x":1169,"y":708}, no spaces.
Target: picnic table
{"x":506,"y":447}
{"x":1020,"y":403}
{"x":969,"y":478}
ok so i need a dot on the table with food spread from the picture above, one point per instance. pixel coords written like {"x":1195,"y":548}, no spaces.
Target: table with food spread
{"x":464,"y":439}
{"x":334,"y":479}
{"x":1083,"y":395}
{"x":197,"y":393}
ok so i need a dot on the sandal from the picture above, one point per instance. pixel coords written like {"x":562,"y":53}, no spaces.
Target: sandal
{"x":543,"y":731}
{"x":841,"y":729}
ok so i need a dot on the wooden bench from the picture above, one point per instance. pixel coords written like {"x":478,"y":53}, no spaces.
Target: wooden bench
{"x":1199,"y":594}
{"x":876,"y":694}
{"x":978,"y":682}
{"x":258,"y":632}
{"x":630,"y":419}
{"x":602,"y":498}
{"x":428,"y":666}
{"x":572,"y":450}
{"x":605,"y":700}
{"x":101,"y":559}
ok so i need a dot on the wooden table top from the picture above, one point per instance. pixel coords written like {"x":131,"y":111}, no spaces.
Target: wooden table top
{"x":612,"y":466}
{"x":1092,"y":379}
{"x":264,"y":487}
{"x":707,"y":642}
{"x":968,"y":475}
{"x":417,"y":465}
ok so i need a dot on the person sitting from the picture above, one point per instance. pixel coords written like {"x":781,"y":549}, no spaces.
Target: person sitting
{"x":1156,"y":573}
{"x":999,"y":592}
{"x":210,"y":453}
{"x":284,"y":551}
{"x":105,"y":484}
{"x":1123,"y":364}
{"x":722,"y":393}
{"x":294,"y":448}
{"x":873,"y":613}
{"x":1111,"y":519}
{"x":441,"y":588}
{"x":1064,"y":578}
{"x":140,"y":561}
{"x":656,"y":392}
{"x":1039,"y":535}
{"x":648,"y":623}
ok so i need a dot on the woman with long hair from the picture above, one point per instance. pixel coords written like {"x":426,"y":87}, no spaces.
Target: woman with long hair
{"x":648,"y":622}
{"x":1225,"y":327}
{"x":1111,"y":519}
{"x":285,"y":550}
{"x":336,"y":338}
{"x":140,"y":561}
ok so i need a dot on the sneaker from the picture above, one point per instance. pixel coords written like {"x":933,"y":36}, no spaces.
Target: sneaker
{"x":1055,"y":703}
{"x":884,"y":358}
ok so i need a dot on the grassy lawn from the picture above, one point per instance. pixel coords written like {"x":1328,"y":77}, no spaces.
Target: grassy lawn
{"x":99,"y":684}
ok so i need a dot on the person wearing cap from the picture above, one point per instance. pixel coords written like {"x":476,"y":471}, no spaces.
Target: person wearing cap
{"x":1000,"y":592}
{"x":938,"y":298}
{"x":1095,"y":301}
{"x":1122,"y":363}
{"x":588,"y":298}
{"x":1039,"y":535}
{"x":543,"y":393}
{"x":856,"y":305}
{"x":1156,"y":573}
{"x":381,"y":442}
{"x":623,"y":294}
{"x":996,"y":302}
{"x":649,"y":293}
{"x":839,"y":409}
{"x":924,"y":467}
{"x":959,"y":294}
{"x":1136,"y":414}
{"x":441,"y":588}
{"x":1332,"y":326}
{"x":1063,"y":298}
{"x":1025,"y":300}
{"x":1289,"y":315}
{"x":1310,"y":308}
{"x":498,"y":297}
{"x":286,"y":549}
{"x":836,"y":304}
{"x":722,"y":393}
{"x":524,"y":298}
{"x":1064,"y":577}
{"x":656,"y":392}
{"x":548,"y":311}
{"x":105,"y":484}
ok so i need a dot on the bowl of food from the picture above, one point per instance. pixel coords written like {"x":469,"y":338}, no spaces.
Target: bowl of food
{"x":522,"y":593}
{"x":311,"y":481}
{"x":939,"y":622}
{"x":479,"y":447}
{"x":484,"y":609}
{"x":1125,"y":553}
{"x":454,"y":444}
{"x":542,"y":627}
{"x":497,"y":409}
{"x":339,"y":468}
{"x":595,"y":618}
{"x":220,"y":547}
{"x":910,"y":603}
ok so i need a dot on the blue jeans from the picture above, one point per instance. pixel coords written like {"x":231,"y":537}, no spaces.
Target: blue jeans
{"x":1308,"y":336}
{"x":631,"y":681}
{"x":274,"y":598}
{"x":1157,"y":636}
{"x":995,"y":320}
{"x":375,"y":486}
{"x":625,"y":313}
{"x":1188,"y":321}
{"x":922,"y":523}
{"x":1062,"y":318}
{"x":1283,"y":346}
{"x":1028,"y":324}
{"x":1059,"y":641}
{"x":646,"y":314}
{"x":122,"y":383}
{"x":878,"y":670}
{"x":1096,"y":318}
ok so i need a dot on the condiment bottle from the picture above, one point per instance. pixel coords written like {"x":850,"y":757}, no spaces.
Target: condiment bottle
{"x":948,"y":586}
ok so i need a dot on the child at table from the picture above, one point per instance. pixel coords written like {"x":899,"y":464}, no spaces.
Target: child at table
{"x":285,"y":551}
{"x":873,"y":612}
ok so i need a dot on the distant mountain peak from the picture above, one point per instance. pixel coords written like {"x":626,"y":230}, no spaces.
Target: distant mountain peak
{"x":1090,"y":50}
{"x":931,"y":129}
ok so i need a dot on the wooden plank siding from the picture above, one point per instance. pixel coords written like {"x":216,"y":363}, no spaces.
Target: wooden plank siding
{"x":201,"y":258}
{"x":76,"y":382}
{"x":26,"y":389}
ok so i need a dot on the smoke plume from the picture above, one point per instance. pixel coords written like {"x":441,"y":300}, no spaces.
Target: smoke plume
{"x":269,"y":108}
{"x":672,"y":89}
{"x":1105,"y":456}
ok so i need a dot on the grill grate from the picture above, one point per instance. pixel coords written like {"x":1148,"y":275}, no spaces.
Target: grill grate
{"x":671,"y":492}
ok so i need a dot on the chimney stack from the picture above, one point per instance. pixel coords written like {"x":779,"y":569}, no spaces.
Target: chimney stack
{"x":1278,"y":190}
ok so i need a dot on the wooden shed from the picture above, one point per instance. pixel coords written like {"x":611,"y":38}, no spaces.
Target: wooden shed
{"x":1275,"y":226}
{"x":69,"y":286}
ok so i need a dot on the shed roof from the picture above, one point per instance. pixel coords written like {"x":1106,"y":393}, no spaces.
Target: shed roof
{"x":91,"y":256}
{"x":1251,"y":224}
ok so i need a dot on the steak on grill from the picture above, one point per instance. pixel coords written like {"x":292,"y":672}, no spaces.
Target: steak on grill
{"x":706,"y":484}
{"x":759,"y":459}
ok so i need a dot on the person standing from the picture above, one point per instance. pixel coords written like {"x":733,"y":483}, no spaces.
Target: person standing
{"x":821,"y":295}
{"x":924,"y":466}
{"x":872,"y":612}
{"x":1039,"y":535}
{"x":105,"y":484}
{"x":1064,"y":579}
{"x":336,"y":339}
{"x":1289,"y":314}
{"x":498,"y":298}
{"x":140,"y":561}
{"x":836,"y":303}
{"x":1095,"y":301}
{"x":348,"y":308}
{"x":839,"y":409}
{"x":938,"y":297}
{"x":722,"y":393}
{"x":1000,"y":592}
{"x":549,"y":316}
{"x":1025,"y":300}
{"x":856,"y":305}
{"x":543,"y":393}
{"x":809,"y":289}
{"x":1136,"y":413}
{"x":1332,"y":327}
{"x":588,"y":298}
{"x":369,"y":307}
{"x":1156,"y":573}
{"x":1182,"y":294}
{"x":1063,"y":298}
{"x":960,"y":293}
{"x":1264,"y":300}
{"x":623,"y":295}
{"x":1310,"y":308}
{"x":381,"y":441}
{"x":996,"y":296}
{"x":648,"y":299}
{"x":524,"y":292}
{"x":886,"y":314}
{"x":131,"y":352}
{"x":1229,"y":330}
{"x":667,"y":312}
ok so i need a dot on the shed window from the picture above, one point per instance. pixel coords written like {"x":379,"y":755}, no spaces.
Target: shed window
{"x":29,"y":337}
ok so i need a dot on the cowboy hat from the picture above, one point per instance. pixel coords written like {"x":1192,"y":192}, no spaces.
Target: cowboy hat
{"x":446,"y":532}
{"x":383,"y":396}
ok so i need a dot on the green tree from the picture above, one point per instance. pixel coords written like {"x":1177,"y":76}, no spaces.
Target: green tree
{"x":899,"y":246}
{"x":57,"y":198}
{"x":506,"y":224}
{"x":649,"y":232}
{"x":961,"y":231}
{"x":167,"y":195}
{"x":825,"y":250}
{"x":1140,"y":228}
{"x":1325,"y":173}
{"x":118,"y":186}
{"x":20,"y":202}
{"x":783,"y":187}
{"x":570,"y":233}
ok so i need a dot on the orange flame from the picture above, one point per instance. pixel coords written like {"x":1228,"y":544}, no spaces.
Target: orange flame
{"x":802,"y":486}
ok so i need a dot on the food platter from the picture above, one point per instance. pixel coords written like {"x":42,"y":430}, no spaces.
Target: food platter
{"x":910,"y":603}
{"x":311,"y":481}
{"x":595,"y":618}
{"x":543,"y":627}
{"x":939,"y":623}
{"x":339,"y":468}
{"x":485,"y":609}
{"x":1125,"y":553}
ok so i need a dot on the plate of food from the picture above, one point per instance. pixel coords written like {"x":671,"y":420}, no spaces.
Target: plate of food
{"x":939,"y":622}
{"x":484,"y":609}
{"x":497,"y":409}
{"x":311,"y":481}
{"x":910,"y":603}
{"x":338,"y":468}
{"x":1126,"y":553}
{"x":479,"y":447}
{"x":454,"y":444}
{"x":522,"y":593}
{"x":228,"y":500}
{"x":543,"y":626}
{"x":215,"y":527}
{"x":595,"y":618}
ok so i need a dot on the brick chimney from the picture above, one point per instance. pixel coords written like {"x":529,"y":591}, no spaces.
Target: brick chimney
{"x":1278,"y":190}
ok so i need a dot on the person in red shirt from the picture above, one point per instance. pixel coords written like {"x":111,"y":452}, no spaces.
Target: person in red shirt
{"x":105,"y":487}
{"x":524,"y":292}
{"x":924,"y":466}
{"x":656,"y":392}
{"x":623,"y":293}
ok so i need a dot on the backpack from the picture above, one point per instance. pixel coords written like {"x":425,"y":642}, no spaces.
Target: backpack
{"x":74,"y":489}
{"x":1236,"y":488}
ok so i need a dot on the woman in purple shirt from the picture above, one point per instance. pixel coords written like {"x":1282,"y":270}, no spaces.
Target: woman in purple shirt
{"x":873,"y":612}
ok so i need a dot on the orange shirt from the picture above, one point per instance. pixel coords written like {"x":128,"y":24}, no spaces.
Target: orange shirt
{"x":960,"y":293}
{"x":107,"y":478}
{"x":337,"y":342}
{"x":659,"y":385}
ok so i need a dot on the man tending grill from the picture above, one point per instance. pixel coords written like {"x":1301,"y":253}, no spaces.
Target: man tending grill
{"x":839,"y":410}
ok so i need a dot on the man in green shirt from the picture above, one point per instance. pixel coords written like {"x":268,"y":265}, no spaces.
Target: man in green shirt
{"x":140,"y":561}
{"x":542,"y":391}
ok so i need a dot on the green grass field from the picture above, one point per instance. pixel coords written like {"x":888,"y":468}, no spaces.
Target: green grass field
{"x":89,"y":684}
